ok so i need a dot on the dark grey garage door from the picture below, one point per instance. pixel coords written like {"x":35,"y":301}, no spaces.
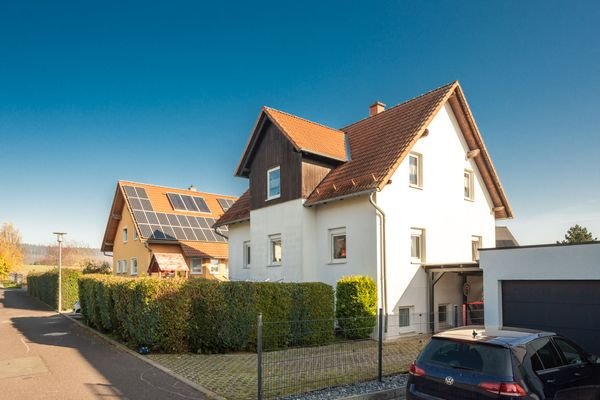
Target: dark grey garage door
{"x":569,"y":308}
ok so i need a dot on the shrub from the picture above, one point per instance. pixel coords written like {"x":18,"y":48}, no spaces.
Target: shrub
{"x":44,"y":286}
{"x":96,"y":267}
{"x":356,"y":306}
{"x":223,"y":315}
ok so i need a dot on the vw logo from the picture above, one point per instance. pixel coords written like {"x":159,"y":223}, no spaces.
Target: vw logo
{"x":449,"y":380}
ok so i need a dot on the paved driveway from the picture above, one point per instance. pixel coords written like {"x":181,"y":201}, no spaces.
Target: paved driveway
{"x":44,"y":355}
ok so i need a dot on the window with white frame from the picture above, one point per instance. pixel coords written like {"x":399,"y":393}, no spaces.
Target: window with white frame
{"x":134,"y":267}
{"x":468,"y":185}
{"x":124,"y":235}
{"x":415,"y":173}
{"x":135,"y":235}
{"x":475,"y":246}
{"x":247,"y":254}
{"x":442,"y":313}
{"x":124,"y":266}
{"x":118,"y":266}
{"x":404,"y":317}
{"x":275,"y":249}
{"x":196,"y":266}
{"x":337,"y":240}
{"x":273,"y":183}
{"x":214,"y":266}
{"x":417,"y":245}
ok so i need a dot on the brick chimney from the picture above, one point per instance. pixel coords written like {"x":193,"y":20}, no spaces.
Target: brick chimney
{"x":376,"y":108}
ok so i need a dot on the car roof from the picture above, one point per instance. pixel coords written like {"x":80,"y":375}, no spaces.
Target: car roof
{"x":506,"y":337}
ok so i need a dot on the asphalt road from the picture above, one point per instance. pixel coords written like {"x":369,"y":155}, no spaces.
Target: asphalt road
{"x":44,"y":355}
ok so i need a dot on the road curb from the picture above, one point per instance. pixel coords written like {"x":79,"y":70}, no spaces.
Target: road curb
{"x":208,"y":393}
{"x":388,"y":394}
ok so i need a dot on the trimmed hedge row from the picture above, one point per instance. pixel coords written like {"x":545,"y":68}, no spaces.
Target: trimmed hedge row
{"x":356,"y":306}
{"x":44,"y":286}
{"x":208,"y":316}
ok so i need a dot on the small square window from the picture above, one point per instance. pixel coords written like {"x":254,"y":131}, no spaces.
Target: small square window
{"x":403,"y":317}
{"x":273,"y":183}
{"x":417,"y":245}
{"x":214,"y":266}
{"x":415,"y":176}
{"x":134,"y":266}
{"x":125,"y":234}
{"x":275,"y":249}
{"x":247,"y":254}
{"x":338,"y":245}
{"x":196,"y":266}
{"x":468,"y":185}
{"x":475,"y":246}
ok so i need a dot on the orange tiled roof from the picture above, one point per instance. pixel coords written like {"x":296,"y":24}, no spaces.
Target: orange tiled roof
{"x":204,"y":249}
{"x":379,"y":143}
{"x":309,"y":136}
{"x":238,"y":212}
{"x":157,"y":195}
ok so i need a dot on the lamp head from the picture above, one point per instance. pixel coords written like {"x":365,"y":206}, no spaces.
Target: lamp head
{"x":59,"y":236}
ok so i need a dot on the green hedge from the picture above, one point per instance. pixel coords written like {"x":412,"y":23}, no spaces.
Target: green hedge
{"x":208,"y":316}
{"x":44,"y":286}
{"x":356,"y":306}
{"x":224,"y":315}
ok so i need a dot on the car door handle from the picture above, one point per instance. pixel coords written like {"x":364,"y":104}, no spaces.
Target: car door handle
{"x":550,"y":380}
{"x":577,"y":374}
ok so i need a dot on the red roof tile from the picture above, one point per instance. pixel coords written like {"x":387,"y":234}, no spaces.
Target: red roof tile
{"x":238,"y":212}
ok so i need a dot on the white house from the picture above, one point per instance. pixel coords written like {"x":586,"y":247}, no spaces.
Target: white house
{"x":406,"y":195}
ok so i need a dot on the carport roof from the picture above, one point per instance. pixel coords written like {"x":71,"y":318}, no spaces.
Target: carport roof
{"x":453,"y":267}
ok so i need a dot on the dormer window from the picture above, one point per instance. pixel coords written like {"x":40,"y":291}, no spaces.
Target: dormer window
{"x":273,"y":183}
{"x":415,"y":177}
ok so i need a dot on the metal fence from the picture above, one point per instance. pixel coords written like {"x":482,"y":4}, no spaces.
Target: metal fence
{"x":303,"y":356}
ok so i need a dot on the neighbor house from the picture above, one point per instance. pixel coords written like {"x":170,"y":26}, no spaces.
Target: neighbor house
{"x":407,"y":196}
{"x":162,"y":231}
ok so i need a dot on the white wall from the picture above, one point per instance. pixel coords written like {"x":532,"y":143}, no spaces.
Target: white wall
{"x":440,"y":209}
{"x":238,"y":234}
{"x":573,"y":262}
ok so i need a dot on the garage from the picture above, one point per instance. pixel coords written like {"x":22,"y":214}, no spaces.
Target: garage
{"x":552,"y":287}
{"x":570,"y":308}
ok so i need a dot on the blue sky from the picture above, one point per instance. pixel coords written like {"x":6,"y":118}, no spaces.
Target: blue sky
{"x":167,"y":93}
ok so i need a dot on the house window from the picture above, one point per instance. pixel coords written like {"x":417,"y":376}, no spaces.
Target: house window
{"x":275,"y":249}
{"x":124,"y":235}
{"x":442,"y":313}
{"x":404,"y":317}
{"x":124,"y":266}
{"x":415,"y":162}
{"x":475,"y":246}
{"x":214,"y":266}
{"x":196,"y":265}
{"x":468,"y":185}
{"x":273,"y":183}
{"x":338,"y":245}
{"x":247,"y":254}
{"x":118,"y":266}
{"x":417,"y":245}
{"x":135,"y":235}
{"x":134,"y":269}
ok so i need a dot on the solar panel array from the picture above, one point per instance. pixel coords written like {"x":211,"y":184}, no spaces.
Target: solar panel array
{"x":168,"y":226}
{"x":182,"y":202}
{"x":225,"y":203}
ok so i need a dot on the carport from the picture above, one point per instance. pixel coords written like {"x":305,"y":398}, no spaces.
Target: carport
{"x":548,"y":287}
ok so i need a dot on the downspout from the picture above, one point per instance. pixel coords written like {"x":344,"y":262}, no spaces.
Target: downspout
{"x":219,"y":233}
{"x":381,"y":215}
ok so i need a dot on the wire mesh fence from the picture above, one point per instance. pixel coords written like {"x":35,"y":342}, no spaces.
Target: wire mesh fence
{"x":299,"y":357}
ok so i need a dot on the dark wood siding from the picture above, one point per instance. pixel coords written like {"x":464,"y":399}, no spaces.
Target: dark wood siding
{"x":313,"y":173}
{"x":274,"y":150}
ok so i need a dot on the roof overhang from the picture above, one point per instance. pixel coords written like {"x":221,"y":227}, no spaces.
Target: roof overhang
{"x":453,"y":267}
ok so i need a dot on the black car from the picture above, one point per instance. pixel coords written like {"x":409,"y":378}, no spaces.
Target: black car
{"x":475,"y":363}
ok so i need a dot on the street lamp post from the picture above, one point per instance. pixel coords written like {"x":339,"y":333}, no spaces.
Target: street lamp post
{"x":59,"y":239}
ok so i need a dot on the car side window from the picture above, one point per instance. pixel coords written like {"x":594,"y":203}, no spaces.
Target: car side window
{"x":545,"y":356}
{"x":571,"y":353}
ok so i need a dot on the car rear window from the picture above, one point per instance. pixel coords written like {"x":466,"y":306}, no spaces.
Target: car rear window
{"x":483,"y":358}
